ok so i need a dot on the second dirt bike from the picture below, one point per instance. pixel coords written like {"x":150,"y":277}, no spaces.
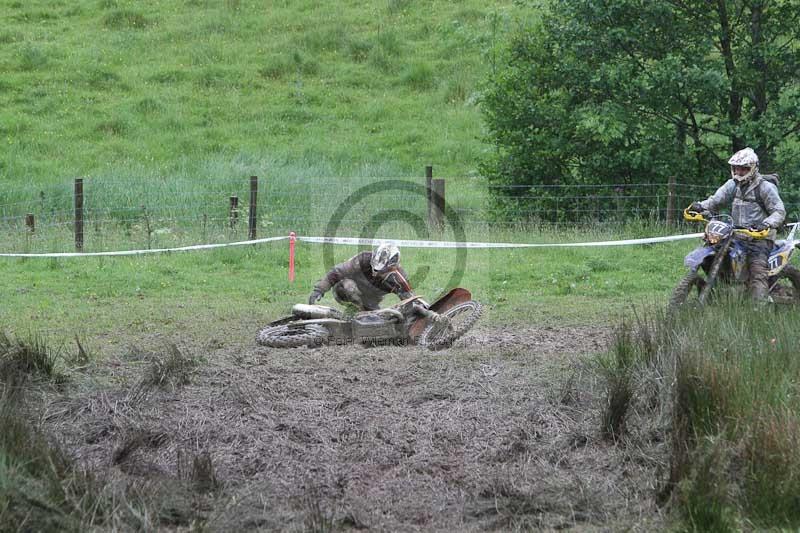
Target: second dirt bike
{"x":412,"y":321}
{"x":722,"y":259}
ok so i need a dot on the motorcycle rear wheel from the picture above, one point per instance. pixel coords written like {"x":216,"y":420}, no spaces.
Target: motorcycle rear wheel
{"x":786,"y":289}
{"x":459,"y":319}
{"x":687,"y":291}
{"x":292,"y":335}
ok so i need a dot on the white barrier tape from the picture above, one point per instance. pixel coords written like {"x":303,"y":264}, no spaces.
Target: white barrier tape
{"x":367,"y":242}
{"x":151,"y":251}
{"x":452,"y":244}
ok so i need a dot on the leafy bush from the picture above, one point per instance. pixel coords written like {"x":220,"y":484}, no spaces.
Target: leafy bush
{"x":599,"y":94}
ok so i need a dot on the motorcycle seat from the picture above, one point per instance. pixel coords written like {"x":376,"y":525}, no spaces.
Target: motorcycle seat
{"x":315,"y":311}
{"x":380,"y":315}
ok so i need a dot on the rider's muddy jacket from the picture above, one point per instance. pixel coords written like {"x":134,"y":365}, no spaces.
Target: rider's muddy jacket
{"x":754,"y":201}
{"x":358,"y":269}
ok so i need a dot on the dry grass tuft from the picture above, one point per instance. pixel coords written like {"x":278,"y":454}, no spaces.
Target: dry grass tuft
{"x":169,"y":369}
{"x":316,"y":519}
{"x":20,"y":358}
{"x":136,"y":439}
{"x":203,"y":476}
{"x":173,"y":369}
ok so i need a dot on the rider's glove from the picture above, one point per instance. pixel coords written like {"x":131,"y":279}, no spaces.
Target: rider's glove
{"x":316,"y":296}
{"x":696,"y":207}
{"x":761,"y":226}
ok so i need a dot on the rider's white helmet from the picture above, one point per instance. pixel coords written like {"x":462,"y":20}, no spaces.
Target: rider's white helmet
{"x":745,"y":157}
{"x":385,"y":256}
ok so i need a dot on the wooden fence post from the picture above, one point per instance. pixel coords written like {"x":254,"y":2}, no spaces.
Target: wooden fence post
{"x":234,"y":213}
{"x":671,"y":201}
{"x":429,"y":192}
{"x":147,"y":227}
{"x":253,"y":218}
{"x":30,"y":223}
{"x":79,"y":214}
{"x":438,"y":203}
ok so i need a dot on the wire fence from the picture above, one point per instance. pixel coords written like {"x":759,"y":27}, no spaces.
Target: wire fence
{"x":96,"y":214}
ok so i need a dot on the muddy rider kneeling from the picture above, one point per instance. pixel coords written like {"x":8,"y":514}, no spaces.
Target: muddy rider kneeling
{"x":364,"y":279}
{"x":756,"y":205}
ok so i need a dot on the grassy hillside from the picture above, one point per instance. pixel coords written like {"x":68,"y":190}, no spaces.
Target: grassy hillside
{"x":119,"y":87}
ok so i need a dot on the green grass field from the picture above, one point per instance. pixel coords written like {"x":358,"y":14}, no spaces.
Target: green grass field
{"x":103,"y":296}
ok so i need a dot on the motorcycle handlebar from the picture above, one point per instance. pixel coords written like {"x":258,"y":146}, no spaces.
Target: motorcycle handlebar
{"x":696,"y":216}
{"x":752,"y":233}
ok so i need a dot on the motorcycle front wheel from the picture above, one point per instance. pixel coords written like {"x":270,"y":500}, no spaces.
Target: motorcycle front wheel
{"x":785,"y":288}
{"x":457,"y":321}
{"x":687,"y":291}
{"x":292,"y":335}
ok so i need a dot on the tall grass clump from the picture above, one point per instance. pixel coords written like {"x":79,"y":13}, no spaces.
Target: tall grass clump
{"x":20,"y":358}
{"x":619,"y":388}
{"x":126,"y":19}
{"x":631,"y":366}
{"x":32,"y":497}
{"x":734,"y":410}
{"x":172,"y":369}
{"x":43,"y":489}
{"x":169,"y":369}
{"x":419,"y":76}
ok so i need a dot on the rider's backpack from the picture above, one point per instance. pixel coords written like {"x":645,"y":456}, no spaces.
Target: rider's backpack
{"x":773,"y":179}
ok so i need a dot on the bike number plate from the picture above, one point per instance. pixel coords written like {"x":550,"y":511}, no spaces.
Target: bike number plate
{"x":775,"y":262}
{"x":716,"y":230}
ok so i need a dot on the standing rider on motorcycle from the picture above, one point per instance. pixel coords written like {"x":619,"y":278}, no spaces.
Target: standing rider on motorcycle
{"x":364,"y":279}
{"x":756,"y":206}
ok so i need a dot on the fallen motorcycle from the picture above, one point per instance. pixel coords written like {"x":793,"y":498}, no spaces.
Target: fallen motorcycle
{"x":411,"y":321}
{"x":722,"y":259}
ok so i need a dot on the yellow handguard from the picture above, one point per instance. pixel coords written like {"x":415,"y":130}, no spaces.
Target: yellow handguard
{"x":693,"y":216}
{"x":754,"y":234}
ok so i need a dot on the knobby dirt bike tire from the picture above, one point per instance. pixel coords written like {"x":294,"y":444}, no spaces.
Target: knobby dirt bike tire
{"x":436,"y":337}
{"x":713,"y":272}
{"x":682,"y":291}
{"x":292,"y":335}
{"x":791,"y":273}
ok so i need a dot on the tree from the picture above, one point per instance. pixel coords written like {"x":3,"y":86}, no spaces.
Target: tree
{"x":622,"y":91}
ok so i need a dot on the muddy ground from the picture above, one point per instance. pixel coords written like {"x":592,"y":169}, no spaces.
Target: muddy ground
{"x":501,"y":432}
